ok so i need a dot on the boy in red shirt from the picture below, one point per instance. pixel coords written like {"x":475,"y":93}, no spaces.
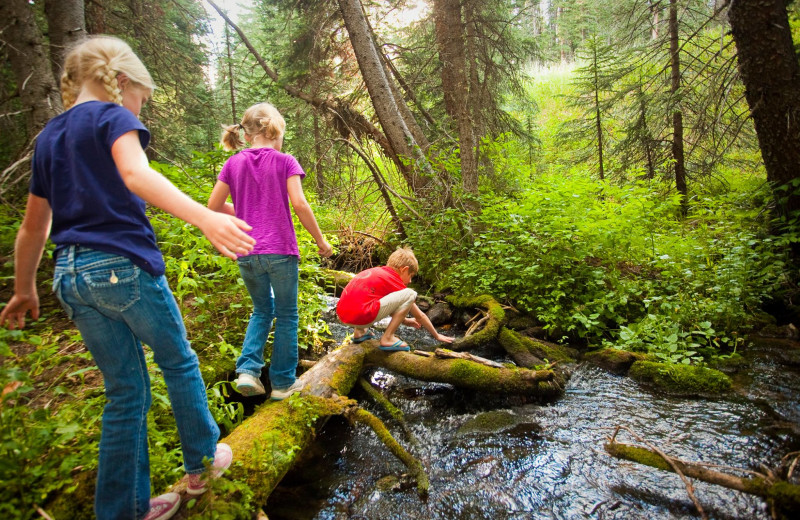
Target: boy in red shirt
{"x":380,"y":292}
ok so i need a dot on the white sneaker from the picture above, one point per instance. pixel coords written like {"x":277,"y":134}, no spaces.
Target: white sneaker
{"x":248,"y":385}
{"x":279,"y":395}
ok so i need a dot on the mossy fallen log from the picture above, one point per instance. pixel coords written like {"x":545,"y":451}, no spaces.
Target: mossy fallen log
{"x":269,"y":442}
{"x":529,"y":352}
{"x":496,"y":316}
{"x":464,"y":373}
{"x":679,"y":379}
{"x":784,"y":495}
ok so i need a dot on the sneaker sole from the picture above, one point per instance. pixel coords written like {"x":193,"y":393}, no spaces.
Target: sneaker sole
{"x":249,"y":391}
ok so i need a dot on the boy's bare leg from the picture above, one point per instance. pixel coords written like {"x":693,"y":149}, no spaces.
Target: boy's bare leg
{"x":388,"y":338}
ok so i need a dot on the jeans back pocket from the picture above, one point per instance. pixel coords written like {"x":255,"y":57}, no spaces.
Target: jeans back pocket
{"x":115,"y":289}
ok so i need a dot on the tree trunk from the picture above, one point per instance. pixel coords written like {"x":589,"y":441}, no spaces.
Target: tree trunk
{"x":397,"y":132}
{"x":30,"y":64}
{"x":451,"y":43}
{"x":771,"y":75}
{"x":234,"y":118}
{"x":598,"y":120}
{"x":677,"y":114}
{"x":66,"y":25}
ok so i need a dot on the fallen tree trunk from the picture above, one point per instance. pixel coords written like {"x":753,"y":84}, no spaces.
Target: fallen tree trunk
{"x":269,"y":442}
{"x":784,"y":495}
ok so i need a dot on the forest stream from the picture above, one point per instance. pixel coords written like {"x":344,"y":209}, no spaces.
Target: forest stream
{"x":503,"y":458}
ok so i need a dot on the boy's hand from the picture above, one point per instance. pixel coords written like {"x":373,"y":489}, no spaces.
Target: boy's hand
{"x":14,"y":312}
{"x":325,"y":250}
{"x":412,"y":322}
{"x":443,"y":339}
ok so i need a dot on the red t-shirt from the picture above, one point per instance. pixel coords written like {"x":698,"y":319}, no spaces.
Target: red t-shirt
{"x":360,"y":301}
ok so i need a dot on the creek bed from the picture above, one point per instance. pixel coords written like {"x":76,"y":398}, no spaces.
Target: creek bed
{"x":498,"y":457}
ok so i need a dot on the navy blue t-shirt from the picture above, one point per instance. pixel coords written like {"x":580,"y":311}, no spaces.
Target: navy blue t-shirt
{"x":74,"y":170}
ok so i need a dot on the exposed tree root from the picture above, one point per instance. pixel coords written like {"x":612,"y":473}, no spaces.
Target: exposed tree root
{"x":494,"y":319}
{"x":418,"y":472}
{"x":387,"y":405}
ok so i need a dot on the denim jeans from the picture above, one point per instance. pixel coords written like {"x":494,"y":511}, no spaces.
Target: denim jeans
{"x":116,"y":307}
{"x":271,"y":281}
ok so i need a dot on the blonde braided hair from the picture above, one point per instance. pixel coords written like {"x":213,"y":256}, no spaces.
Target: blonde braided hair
{"x":260,"y":119}
{"x":101,"y":59}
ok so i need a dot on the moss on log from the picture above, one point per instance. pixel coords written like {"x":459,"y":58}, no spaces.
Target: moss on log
{"x":680,"y":379}
{"x":530,"y":352}
{"x":464,"y":373}
{"x":785,"y":496}
{"x":496,"y":316}
{"x":337,"y":280}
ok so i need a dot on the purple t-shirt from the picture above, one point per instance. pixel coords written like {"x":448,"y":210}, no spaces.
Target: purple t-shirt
{"x":257,"y":179}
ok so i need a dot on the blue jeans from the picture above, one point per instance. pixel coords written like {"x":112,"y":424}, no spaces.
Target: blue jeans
{"x":116,"y":307}
{"x":271,"y":281}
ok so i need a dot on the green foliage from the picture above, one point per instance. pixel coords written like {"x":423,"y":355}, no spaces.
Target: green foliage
{"x":616,"y":265}
{"x":41,"y":447}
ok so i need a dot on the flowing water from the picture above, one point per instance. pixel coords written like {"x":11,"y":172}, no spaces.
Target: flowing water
{"x":499,"y":457}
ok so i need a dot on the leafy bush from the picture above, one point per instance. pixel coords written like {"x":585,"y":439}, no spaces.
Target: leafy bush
{"x":616,"y":264}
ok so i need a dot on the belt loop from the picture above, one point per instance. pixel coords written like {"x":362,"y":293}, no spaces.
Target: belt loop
{"x":71,"y":258}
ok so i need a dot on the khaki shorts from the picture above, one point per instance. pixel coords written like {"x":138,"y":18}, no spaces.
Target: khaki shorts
{"x":391,"y":303}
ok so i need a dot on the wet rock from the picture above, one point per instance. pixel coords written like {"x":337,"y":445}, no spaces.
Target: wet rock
{"x":788,"y":331}
{"x":489,"y":422}
{"x":440,"y":313}
{"x":614,"y":360}
{"x":677,"y":379}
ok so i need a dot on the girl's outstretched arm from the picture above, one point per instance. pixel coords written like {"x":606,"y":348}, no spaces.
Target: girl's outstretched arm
{"x":225,"y":232}
{"x":306,"y":215}
{"x":28,"y":249}
{"x":218,"y":200}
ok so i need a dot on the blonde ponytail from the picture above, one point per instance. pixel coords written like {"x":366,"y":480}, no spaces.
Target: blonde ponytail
{"x":231,"y":140}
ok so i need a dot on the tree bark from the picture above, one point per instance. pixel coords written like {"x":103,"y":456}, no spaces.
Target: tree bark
{"x":419,"y":174}
{"x":771,"y":75}
{"x":785,"y":495}
{"x":30,"y":64}
{"x":450,"y":40}
{"x":66,"y":23}
{"x":677,"y":114}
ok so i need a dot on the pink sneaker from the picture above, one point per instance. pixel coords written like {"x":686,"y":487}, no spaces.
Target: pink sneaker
{"x":198,"y":483}
{"x":163,"y":506}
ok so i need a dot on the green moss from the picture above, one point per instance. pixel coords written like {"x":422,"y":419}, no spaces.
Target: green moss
{"x":786,"y":496}
{"x":496,"y":319}
{"x":489,"y":422}
{"x":515,"y":343}
{"x":636,"y":454}
{"x":472,"y":374}
{"x":680,"y":379}
{"x":729,"y":363}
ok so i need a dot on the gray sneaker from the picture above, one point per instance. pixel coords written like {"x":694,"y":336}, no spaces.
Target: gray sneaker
{"x":248,"y":385}
{"x":279,"y":395}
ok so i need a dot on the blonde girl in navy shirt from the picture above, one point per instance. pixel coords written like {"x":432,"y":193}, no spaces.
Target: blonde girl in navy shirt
{"x":90,"y":181}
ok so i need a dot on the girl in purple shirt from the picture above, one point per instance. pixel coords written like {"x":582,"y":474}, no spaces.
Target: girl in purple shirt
{"x":262,"y":182}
